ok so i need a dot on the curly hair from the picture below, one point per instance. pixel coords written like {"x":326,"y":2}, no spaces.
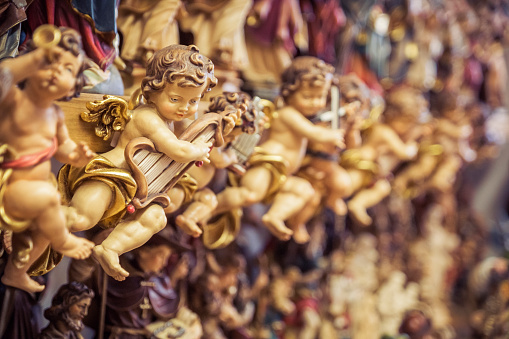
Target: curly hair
{"x":179,"y":64}
{"x":66,"y":296}
{"x":70,"y":41}
{"x":308,"y":69}
{"x":236,"y":101}
{"x":402,"y":102}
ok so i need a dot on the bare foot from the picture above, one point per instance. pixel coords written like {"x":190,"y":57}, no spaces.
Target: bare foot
{"x":300,"y":234}
{"x":338,"y":205}
{"x":188,"y":226}
{"x":75,"y":247}
{"x":23,"y":282}
{"x":110,"y":263}
{"x":359,"y":214}
{"x":277,"y":227}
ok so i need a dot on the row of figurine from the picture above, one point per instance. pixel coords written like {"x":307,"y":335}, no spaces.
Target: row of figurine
{"x":382,"y":41}
{"x":307,"y":158}
{"x":288,"y":291}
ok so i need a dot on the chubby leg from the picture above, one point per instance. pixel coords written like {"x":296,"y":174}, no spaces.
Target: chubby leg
{"x":253,"y":188}
{"x":128,"y":235}
{"x":312,"y":324}
{"x":88,"y":205}
{"x":14,"y":274}
{"x":177,"y":197}
{"x":294,"y":195}
{"x":339,"y":184}
{"x":302,"y":217}
{"x":204,"y":203}
{"x":367,"y":198}
{"x":40,"y":201}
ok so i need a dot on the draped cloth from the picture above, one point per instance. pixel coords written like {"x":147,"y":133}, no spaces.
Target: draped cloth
{"x":91,"y":18}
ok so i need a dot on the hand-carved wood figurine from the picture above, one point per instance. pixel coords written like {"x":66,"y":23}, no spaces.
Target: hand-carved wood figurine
{"x":68,"y":308}
{"x":204,"y":200}
{"x":269,"y":176}
{"x":177,"y":78}
{"x":32,"y":131}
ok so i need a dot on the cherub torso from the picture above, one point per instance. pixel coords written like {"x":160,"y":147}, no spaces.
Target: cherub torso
{"x":28,"y":129}
{"x":285,"y":142}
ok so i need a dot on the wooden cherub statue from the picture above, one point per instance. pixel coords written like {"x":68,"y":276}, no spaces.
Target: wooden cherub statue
{"x":68,"y":308}
{"x":269,"y":177}
{"x":321,"y":167}
{"x":204,"y":200}
{"x":177,"y":78}
{"x":32,"y":131}
{"x":384,"y":145}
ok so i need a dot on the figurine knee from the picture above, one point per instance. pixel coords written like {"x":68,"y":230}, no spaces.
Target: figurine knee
{"x":302,"y":188}
{"x":383,"y":187}
{"x":154,"y":218}
{"x":251,"y":197}
{"x":207,"y":197}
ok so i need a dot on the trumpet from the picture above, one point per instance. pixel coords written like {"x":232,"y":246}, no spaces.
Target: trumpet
{"x":47,"y":37}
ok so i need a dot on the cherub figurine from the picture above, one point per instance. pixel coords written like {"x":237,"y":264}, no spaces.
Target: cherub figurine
{"x":384,"y":146}
{"x":269,"y":177}
{"x":68,"y":308}
{"x":204,"y":200}
{"x":332,"y":182}
{"x":32,"y":131}
{"x":177,"y":78}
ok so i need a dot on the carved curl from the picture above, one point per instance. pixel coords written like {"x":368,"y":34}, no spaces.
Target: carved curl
{"x":110,"y":114}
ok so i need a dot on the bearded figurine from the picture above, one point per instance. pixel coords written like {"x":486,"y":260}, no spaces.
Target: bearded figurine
{"x":68,"y":308}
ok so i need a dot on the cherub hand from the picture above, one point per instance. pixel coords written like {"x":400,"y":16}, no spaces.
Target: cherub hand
{"x":47,"y":56}
{"x":351,"y":109}
{"x":81,"y":155}
{"x":411,"y":150}
{"x":203,"y":150}
{"x":229,"y":124}
{"x":337,"y":138}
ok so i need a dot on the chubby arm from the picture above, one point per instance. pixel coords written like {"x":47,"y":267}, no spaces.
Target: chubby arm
{"x":68,"y":151}
{"x":151,"y":126}
{"x":389,"y":137}
{"x":300,"y":125}
{"x":222,"y":158}
{"x":18,"y":69}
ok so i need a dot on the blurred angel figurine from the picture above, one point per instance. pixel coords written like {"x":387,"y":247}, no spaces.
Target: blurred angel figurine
{"x":269,"y":177}
{"x":32,"y":131}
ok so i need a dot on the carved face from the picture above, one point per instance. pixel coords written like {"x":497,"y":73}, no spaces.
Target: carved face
{"x":309,"y":100}
{"x":58,"y":79}
{"x":79,"y":310}
{"x":175,"y":103}
{"x":154,"y":259}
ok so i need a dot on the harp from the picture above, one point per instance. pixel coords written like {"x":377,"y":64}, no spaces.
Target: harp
{"x":156,"y":173}
{"x":245,"y":143}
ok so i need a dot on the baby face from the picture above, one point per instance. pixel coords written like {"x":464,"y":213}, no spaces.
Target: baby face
{"x":58,"y":79}
{"x":175,"y":103}
{"x":308,"y":99}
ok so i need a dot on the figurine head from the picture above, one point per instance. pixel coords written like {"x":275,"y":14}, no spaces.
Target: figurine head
{"x":241,"y":106}
{"x":306,"y":83}
{"x":68,"y":67}
{"x":153,"y":256}
{"x":177,"y":78}
{"x":70,"y":305}
{"x":404,"y":108}
{"x":180,"y":65}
